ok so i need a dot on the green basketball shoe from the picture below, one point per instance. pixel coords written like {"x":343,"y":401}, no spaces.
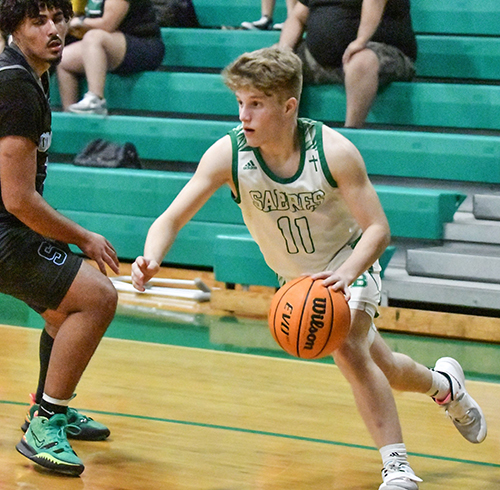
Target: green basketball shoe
{"x":46,"y":444}
{"x":80,"y":426}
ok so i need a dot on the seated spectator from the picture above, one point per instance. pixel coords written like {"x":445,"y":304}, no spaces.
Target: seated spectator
{"x":266,"y":20}
{"x":117,"y":36}
{"x":361,"y":43}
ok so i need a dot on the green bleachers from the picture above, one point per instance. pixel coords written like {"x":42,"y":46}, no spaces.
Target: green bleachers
{"x":409,"y":154}
{"x":444,"y":56}
{"x":401,"y":103}
{"x":429,"y":16}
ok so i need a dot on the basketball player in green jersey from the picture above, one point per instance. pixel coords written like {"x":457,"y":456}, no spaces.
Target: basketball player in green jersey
{"x":307,"y":200}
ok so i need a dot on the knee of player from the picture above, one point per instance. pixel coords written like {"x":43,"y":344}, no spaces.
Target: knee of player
{"x":351,"y":353}
{"x":105,"y":298}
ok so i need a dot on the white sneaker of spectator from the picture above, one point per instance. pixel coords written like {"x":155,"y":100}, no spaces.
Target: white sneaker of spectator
{"x":90,"y":104}
{"x":263,"y":24}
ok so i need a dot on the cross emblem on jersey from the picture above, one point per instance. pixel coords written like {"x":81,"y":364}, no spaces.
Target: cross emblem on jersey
{"x":314,"y":161}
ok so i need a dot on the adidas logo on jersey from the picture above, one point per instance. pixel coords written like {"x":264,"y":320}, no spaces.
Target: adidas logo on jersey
{"x":250,"y":166}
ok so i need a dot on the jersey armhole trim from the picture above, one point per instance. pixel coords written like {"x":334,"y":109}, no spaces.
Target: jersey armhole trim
{"x":322,"y":157}
{"x":234,"y":165}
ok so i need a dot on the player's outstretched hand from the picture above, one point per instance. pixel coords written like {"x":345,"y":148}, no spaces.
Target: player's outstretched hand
{"x":99,"y":249}
{"x":143,"y":270}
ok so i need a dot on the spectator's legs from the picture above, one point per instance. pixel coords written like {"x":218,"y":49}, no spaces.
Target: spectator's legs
{"x":104,"y":52}
{"x":361,"y":85}
{"x":267,"y":7}
{"x":68,"y":72}
{"x":96,"y":54}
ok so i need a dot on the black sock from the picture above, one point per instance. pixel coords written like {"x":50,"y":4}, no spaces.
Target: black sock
{"x":46,"y":343}
{"x":48,"y":409}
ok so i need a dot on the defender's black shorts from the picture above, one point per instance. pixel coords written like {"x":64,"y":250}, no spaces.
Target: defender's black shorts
{"x":35,"y":269}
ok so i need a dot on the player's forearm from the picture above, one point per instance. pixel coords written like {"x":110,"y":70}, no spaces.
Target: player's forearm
{"x":160,"y":239}
{"x":370,"y":247}
{"x":38,"y":215}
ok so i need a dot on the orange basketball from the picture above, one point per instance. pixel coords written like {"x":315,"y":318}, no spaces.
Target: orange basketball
{"x":309,"y":320}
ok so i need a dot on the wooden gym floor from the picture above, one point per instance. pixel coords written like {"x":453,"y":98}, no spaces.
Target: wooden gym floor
{"x":203,"y":402}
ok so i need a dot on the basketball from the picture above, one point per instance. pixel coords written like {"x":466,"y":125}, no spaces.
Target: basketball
{"x":307,"y":319}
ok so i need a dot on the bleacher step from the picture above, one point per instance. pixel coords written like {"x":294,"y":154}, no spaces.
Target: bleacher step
{"x":398,"y":285}
{"x":454,"y":260}
{"x":487,"y":206}
{"x":465,"y":227}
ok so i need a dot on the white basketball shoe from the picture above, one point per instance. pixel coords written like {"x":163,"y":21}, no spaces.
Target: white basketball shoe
{"x":460,"y":407}
{"x":398,"y":475}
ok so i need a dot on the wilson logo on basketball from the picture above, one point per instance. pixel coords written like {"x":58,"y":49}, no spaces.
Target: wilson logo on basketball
{"x":285,"y":319}
{"x":319,"y":310}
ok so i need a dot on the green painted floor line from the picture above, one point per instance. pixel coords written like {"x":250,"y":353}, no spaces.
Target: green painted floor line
{"x":269,"y":434}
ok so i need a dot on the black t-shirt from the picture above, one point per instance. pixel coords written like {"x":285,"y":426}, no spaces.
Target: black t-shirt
{"x":140,"y":20}
{"x":333,"y":24}
{"x":24,"y":111}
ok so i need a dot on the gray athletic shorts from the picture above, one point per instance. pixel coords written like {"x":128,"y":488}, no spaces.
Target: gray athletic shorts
{"x":394,"y":66}
{"x":34,"y":269}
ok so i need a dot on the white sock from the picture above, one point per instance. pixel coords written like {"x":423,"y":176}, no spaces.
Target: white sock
{"x":440,"y":387}
{"x":393,"y":452}
{"x":55,"y":401}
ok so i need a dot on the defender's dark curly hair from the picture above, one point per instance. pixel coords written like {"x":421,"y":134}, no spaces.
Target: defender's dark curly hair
{"x":13,"y":12}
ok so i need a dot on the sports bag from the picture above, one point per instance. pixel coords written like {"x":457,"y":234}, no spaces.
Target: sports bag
{"x":106,"y":154}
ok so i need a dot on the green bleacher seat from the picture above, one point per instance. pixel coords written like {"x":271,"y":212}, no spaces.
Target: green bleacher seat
{"x":455,"y":16}
{"x":211,"y":48}
{"x":409,"y":154}
{"x":179,"y":140}
{"x":429,"y":155}
{"x":238,"y":260}
{"x":194,"y":246}
{"x":401,"y":103}
{"x":448,"y":105}
{"x":466,"y":57}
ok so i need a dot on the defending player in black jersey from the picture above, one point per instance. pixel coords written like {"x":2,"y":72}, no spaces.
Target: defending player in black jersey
{"x":76,"y":300}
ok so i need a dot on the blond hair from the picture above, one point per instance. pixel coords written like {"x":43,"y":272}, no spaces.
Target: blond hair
{"x":269,"y":70}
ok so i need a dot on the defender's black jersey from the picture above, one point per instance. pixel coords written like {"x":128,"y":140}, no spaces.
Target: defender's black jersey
{"x":24,"y":111}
